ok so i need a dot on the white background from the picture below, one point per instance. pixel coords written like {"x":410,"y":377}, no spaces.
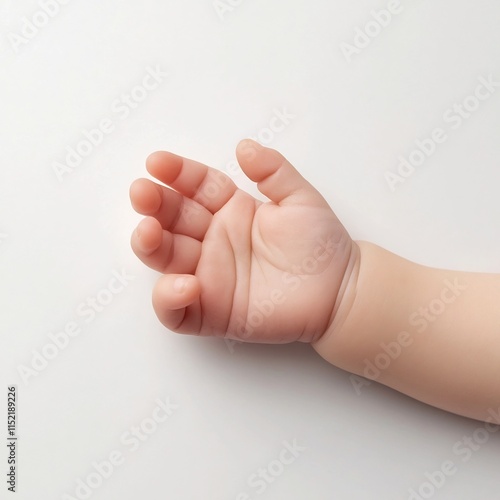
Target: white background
{"x":61,"y":241}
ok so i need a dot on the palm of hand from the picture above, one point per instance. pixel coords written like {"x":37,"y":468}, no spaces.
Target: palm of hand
{"x":265,"y":272}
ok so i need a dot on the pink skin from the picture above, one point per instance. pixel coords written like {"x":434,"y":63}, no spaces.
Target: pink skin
{"x":231,"y":265}
{"x":242,"y":269}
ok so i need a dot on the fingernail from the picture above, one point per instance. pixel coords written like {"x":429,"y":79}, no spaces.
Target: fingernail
{"x":139,"y":242}
{"x":249,"y":148}
{"x":256,"y":145}
{"x":180,"y":284}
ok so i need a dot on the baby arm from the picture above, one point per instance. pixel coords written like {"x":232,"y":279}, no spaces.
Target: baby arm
{"x":430,"y":333}
{"x":286,"y":270}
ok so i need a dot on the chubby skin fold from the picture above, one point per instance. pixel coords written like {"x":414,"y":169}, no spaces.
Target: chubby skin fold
{"x":287,"y":270}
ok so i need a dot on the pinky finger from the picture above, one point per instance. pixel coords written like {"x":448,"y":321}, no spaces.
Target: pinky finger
{"x":172,"y":296}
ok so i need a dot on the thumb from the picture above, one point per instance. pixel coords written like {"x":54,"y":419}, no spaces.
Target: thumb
{"x":275,"y":176}
{"x":172,"y":296}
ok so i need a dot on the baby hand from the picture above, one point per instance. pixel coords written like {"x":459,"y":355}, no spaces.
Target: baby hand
{"x":234,"y":266}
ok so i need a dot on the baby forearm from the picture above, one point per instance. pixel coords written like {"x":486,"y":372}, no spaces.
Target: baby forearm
{"x":430,"y":333}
